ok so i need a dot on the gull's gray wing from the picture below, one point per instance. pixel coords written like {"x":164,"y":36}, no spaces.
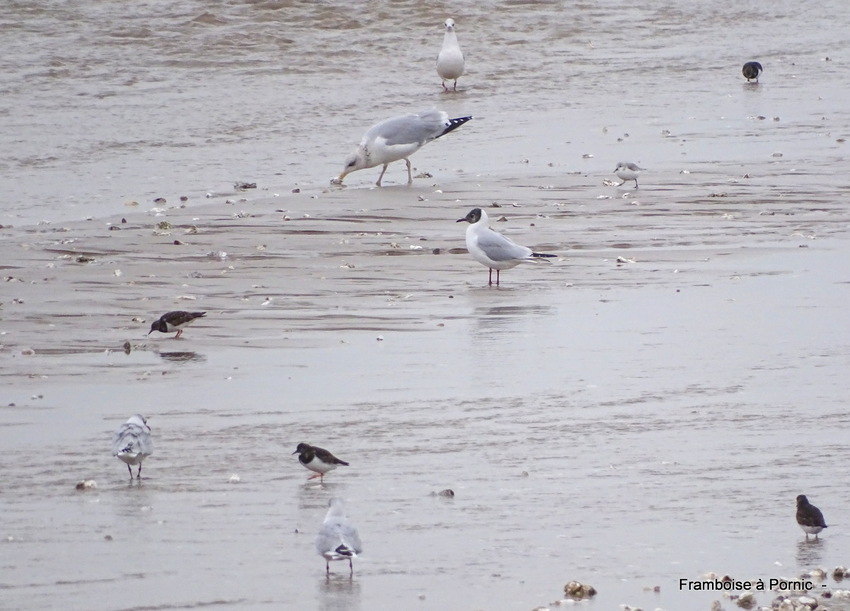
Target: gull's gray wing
{"x":408,"y":129}
{"x":499,"y":248}
{"x":133,"y":439}
{"x":338,"y":533}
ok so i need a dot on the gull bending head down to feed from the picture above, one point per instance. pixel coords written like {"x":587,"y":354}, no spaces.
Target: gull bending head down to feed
{"x":494,"y":250}
{"x":398,"y":138}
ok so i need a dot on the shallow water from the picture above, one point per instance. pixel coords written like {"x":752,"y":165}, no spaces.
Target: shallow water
{"x":624,"y":424}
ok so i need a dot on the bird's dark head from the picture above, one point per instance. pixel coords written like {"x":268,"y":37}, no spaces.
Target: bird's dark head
{"x":158,"y":325}
{"x":473,"y":217}
{"x":301,"y":447}
{"x":802,"y":500}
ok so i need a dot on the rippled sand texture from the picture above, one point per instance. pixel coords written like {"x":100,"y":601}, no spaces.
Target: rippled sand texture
{"x":645,"y":408}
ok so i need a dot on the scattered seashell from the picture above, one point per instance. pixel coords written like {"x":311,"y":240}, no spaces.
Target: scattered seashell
{"x":159,"y":201}
{"x":587,"y":156}
{"x":131,"y":203}
{"x":183,"y":198}
{"x":164,"y":226}
{"x":839,"y":573}
{"x":746,"y":601}
{"x":86,"y":484}
{"x":84,"y":259}
{"x":448,"y":493}
{"x":622,"y":259}
{"x":118,"y":273}
{"x":578,"y":590}
{"x":776,"y":154}
{"x":234,"y":479}
{"x":380,"y":338}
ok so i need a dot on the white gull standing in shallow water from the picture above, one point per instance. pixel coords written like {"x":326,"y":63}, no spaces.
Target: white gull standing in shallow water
{"x":627,"y":171}
{"x":492,"y":249}
{"x":132,"y":443}
{"x":398,"y":138}
{"x":450,"y":59}
{"x":338,"y":538}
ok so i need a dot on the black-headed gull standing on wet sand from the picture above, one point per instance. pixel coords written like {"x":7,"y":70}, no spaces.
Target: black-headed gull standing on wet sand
{"x":450,"y":62}
{"x":398,"y":138}
{"x":494,"y":250}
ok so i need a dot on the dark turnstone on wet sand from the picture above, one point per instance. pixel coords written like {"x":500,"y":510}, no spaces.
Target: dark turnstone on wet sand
{"x":317,"y":459}
{"x":627,"y":171}
{"x":492,"y":249}
{"x":131,"y":443}
{"x":809,"y":517}
{"x":175,"y":321}
{"x":751,"y":70}
{"x":338,"y":538}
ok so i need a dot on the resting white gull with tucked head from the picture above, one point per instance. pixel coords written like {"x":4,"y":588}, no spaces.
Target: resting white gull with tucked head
{"x":450,"y":62}
{"x":398,"y":138}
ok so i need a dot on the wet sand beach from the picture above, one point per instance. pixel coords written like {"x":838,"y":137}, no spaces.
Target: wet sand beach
{"x":644,"y":408}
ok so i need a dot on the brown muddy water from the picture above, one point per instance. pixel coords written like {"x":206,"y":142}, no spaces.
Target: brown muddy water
{"x":644,"y":409}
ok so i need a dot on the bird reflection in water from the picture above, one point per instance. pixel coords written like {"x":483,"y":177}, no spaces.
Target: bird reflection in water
{"x":182,"y":357}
